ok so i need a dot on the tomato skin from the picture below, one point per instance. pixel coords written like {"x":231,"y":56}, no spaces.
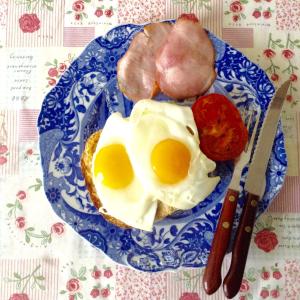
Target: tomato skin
{"x":222,"y":132}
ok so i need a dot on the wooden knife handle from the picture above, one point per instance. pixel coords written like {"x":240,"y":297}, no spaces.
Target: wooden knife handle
{"x":233,"y":279}
{"x":212,"y":275}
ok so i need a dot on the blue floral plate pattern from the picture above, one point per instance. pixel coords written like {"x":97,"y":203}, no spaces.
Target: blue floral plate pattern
{"x":79,"y":105}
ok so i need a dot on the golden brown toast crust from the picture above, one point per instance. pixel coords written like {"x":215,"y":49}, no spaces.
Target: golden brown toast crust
{"x":163,"y":210}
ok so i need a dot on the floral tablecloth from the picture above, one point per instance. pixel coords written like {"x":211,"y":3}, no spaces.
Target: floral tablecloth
{"x":41,"y":257}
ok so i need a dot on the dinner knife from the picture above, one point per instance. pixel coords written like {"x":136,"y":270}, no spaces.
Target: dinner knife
{"x":254,"y":188}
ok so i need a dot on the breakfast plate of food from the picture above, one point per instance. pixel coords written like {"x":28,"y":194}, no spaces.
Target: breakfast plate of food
{"x":120,"y":135}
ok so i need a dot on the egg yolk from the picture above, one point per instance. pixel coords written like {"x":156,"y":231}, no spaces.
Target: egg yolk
{"x":114,"y":165}
{"x":170,"y":160}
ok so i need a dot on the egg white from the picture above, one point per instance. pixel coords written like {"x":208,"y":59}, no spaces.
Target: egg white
{"x":133,"y":204}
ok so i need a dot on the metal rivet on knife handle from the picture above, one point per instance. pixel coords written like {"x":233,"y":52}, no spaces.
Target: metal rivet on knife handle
{"x":231,"y":198}
{"x":248,"y":229}
{"x":254,"y":203}
{"x":226,"y":225}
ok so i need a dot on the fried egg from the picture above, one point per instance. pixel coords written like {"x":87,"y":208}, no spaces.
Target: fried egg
{"x":151,"y":156}
{"x":120,"y":190}
{"x":165,"y":145}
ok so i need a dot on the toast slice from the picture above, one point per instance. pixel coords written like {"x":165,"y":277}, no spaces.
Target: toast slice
{"x":163,"y":210}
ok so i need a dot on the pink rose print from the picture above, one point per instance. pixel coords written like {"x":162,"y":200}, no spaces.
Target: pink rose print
{"x":269,"y":53}
{"x":275,"y":70}
{"x":3,"y":160}
{"x":95,"y":293}
{"x":277,"y":275}
{"x":21,"y":195}
{"x":266,"y":240}
{"x":107,"y":273}
{"x":73,"y":285}
{"x":78,"y":8}
{"x":98,"y":12}
{"x":20,"y":222}
{"x":274,"y":293}
{"x":242,"y":298}
{"x":109,"y":13}
{"x":58,"y":228}
{"x":288,"y":54}
{"x":265,"y":275}
{"x":56,"y":69}
{"x":71,"y":297}
{"x":256,"y":14}
{"x":293,"y":77}
{"x":236,"y":9}
{"x":236,"y":6}
{"x":52,"y":81}
{"x":264,"y":293}
{"x":3,"y":154}
{"x":52,"y":72}
{"x":19,"y":297}
{"x":105,"y":292}
{"x":267,"y":14}
{"x":275,"y":77}
{"x":235,"y":18}
{"x":244,"y":286}
{"x":96,"y":274}
{"x":189,"y":296}
{"x":62,"y":67}
{"x":29,"y":23}
{"x":29,"y":152}
{"x":3,"y":149}
{"x":78,"y":5}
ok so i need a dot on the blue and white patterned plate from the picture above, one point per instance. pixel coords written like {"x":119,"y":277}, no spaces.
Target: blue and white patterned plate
{"x":79,"y":105}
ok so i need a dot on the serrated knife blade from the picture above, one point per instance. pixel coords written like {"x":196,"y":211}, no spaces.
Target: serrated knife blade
{"x":255,"y":182}
{"x":254,"y":187}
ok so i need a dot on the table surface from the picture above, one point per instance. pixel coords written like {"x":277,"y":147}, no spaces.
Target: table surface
{"x":40,"y":256}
